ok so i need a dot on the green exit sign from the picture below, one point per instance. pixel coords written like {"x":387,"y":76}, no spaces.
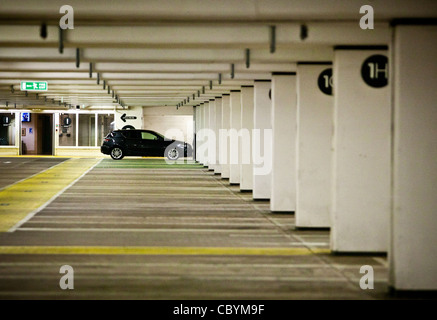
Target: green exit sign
{"x":33,"y":86}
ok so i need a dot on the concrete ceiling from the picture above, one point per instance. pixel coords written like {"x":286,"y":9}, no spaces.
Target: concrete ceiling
{"x":158,"y":53}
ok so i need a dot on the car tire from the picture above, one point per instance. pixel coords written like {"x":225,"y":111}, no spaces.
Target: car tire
{"x":117,"y":153}
{"x":172,"y":154}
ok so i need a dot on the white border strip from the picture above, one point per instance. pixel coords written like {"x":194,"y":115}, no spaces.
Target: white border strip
{"x":34,"y":212}
{"x":198,"y":230}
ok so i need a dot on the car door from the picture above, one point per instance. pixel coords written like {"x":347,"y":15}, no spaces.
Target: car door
{"x":133,"y":142}
{"x":151,"y":144}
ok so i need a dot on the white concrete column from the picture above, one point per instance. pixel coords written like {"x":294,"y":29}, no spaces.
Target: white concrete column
{"x":206,"y":128}
{"x":223,"y":136}
{"x":235,"y":157}
{"x":361,"y":153}
{"x":412,"y":253}
{"x":211,"y":136}
{"x":314,"y":140}
{"x":199,"y":136}
{"x":196,"y":130}
{"x":218,"y":126}
{"x":284,"y":119}
{"x":246,"y":167}
{"x":17,"y":133}
{"x":261,"y":137}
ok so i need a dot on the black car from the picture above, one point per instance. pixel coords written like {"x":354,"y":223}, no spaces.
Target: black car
{"x":120,"y":143}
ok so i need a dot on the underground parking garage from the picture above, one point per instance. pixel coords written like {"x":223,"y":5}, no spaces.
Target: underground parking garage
{"x":310,"y":129}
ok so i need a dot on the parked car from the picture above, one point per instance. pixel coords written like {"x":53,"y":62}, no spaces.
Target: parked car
{"x":121,"y":143}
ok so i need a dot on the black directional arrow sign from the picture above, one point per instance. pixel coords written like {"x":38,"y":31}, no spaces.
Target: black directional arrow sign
{"x":124,"y":117}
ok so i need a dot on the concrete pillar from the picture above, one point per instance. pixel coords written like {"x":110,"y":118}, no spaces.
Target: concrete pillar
{"x":17,"y":133}
{"x":262,"y":146}
{"x":218,"y":126}
{"x":205,"y":136}
{"x":246,"y":167}
{"x":235,"y":156}
{"x":223,"y":136}
{"x":196,"y":130}
{"x":361,"y":152}
{"x":314,"y":140}
{"x":199,"y":136}
{"x":284,"y":119}
{"x":211,"y":136}
{"x":412,"y":252}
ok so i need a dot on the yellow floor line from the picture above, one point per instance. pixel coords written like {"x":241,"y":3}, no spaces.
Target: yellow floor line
{"x":66,"y":250}
{"x":22,"y":198}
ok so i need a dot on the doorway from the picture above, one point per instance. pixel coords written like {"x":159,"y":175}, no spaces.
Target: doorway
{"x":37,"y":134}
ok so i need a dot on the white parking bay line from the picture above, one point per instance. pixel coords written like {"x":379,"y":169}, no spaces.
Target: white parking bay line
{"x":144,"y":265}
{"x":189,"y":223}
{"x":303,"y":244}
{"x":240,"y":278}
{"x":256,"y":235}
{"x":142,"y":230}
{"x":382,"y":261}
{"x":150,"y":218}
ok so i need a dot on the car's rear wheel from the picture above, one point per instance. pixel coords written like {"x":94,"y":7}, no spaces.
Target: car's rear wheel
{"x":172,"y":154}
{"x":117,"y":153}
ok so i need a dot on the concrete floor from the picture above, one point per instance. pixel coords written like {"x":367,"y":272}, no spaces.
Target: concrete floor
{"x":15,"y":169}
{"x":191,"y":236}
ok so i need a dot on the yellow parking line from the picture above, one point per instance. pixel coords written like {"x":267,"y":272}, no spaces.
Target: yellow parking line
{"x":23,"y":198}
{"x":160,"y":251}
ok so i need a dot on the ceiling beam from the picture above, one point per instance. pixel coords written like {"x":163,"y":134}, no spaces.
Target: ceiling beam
{"x":195,"y":36}
{"x":165,"y":11}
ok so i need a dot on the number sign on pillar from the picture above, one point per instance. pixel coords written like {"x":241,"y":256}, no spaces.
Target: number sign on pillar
{"x":374,"y":71}
{"x":325,"y":82}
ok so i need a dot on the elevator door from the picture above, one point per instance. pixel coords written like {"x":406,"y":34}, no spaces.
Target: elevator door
{"x":45,"y":134}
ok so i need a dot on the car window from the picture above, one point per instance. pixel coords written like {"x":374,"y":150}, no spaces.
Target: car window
{"x":148,"y":136}
{"x":131,"y":134}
